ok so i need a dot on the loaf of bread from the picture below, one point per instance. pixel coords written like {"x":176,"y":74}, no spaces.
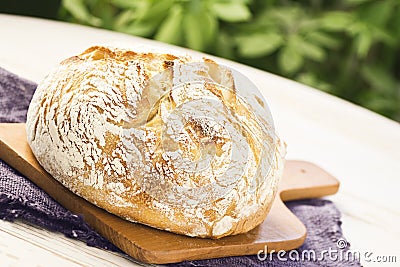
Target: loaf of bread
{"x":172,"y":142}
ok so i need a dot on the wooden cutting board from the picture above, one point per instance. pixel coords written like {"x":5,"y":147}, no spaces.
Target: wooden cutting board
{"x":280,"y":230}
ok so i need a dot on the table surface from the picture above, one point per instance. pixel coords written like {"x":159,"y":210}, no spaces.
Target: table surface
{"x":359,"y":147}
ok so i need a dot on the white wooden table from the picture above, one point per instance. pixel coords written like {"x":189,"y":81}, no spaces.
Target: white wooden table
{"x":359,"y":147}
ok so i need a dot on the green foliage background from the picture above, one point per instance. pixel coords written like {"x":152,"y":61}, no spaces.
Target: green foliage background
{"x":349,"y":48}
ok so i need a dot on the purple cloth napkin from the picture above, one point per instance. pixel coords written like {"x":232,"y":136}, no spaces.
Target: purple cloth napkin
{"x":19,"y":198}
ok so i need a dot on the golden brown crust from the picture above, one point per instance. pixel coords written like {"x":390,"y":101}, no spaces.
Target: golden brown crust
{"x":103,"y":125}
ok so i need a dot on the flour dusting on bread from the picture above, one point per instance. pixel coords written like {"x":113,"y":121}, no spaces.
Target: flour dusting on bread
{"x":164,"y":140}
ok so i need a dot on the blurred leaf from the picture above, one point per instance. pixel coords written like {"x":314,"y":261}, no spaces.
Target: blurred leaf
{"x":124,"y":18}
{"x":126,"y":3}
{"x":380,"y":103}
{"x":171,"y":29}
{"x":258,"y":44}
{"x":379,"y":79}
{"x":311,"y":79}
{"x":366,"y":35}
{"x":336,"y":20}
{"x":193,"y":31}
{"x":393,"y":26}
{"x":199,"y":29}
{"x":290,"y":60}
{"x":146,"y":18}
{"x":210,"y":26}
{"x":363,"y":42}
{"x":105,"y":12}
{"x":231,"y":11}
{"x":307,"y":49}
{"x":376,"y":13}
{"x":78,"y":9}
{"x":308,"y":24}
{"x":155,"y":10}
{"x":139,"y":28}
{"x":285,"y":18}
{"x":356,"y":27}
{"x":224,"y":46}
{"x":357,"y":2}
{"x":384,"y":36}
{"x":383,"y":95}
{"x":323,"y":39}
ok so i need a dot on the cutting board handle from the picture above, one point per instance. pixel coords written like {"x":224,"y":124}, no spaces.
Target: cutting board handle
{"x":302,"y":180}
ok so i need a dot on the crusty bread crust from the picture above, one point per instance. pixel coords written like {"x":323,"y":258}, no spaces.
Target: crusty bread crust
{"x":102,"y":123}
